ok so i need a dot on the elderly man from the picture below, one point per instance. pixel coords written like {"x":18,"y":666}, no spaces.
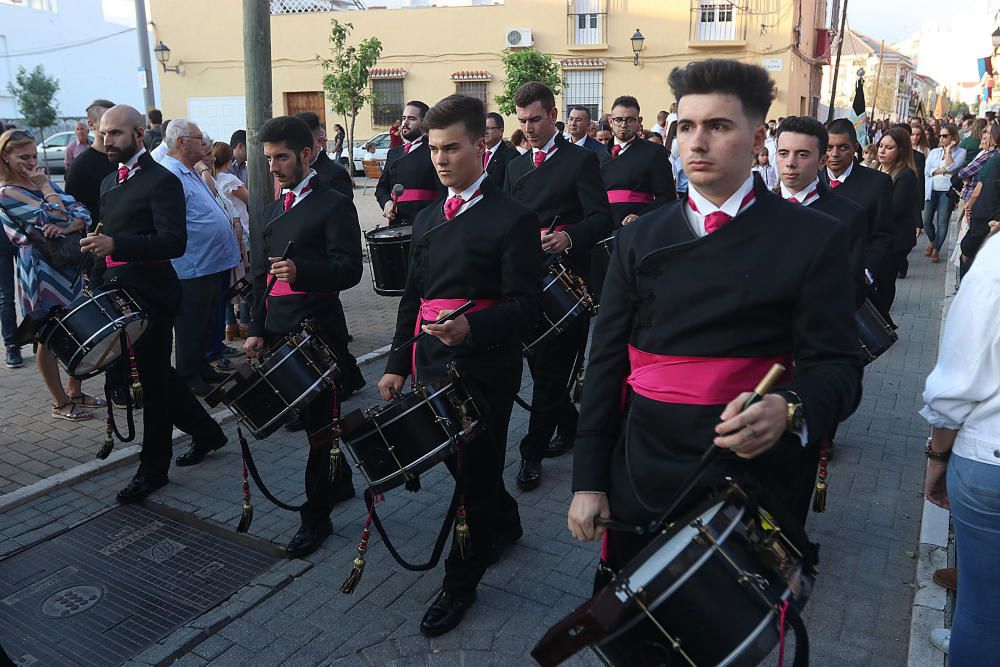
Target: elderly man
{"x":78,"y":145}
{"x":579,"y":130}
{"x":211,"y":252}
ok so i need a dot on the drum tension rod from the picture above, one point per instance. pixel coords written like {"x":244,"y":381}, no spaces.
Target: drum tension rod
{"x":744,"y":577}
{"x":636,"y":596}
{"x":407,"y":475}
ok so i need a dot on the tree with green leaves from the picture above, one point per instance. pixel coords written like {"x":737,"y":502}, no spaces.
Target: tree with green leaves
{"x":522,"y":66}
{"x":346,"y":80}
{"x":35,"y":92}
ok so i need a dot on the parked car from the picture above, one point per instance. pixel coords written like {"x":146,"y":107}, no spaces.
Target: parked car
{"x":381,"y":141}
{"x":52,"y":152}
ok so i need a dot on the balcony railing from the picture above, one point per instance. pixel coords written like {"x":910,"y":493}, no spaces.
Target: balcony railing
{"x":310,"y":6}
{"x":587,"y":29}
{"x":717,"y":21}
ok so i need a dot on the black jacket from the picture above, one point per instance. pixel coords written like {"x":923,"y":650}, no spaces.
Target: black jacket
{"x":496,"y":168}
{"x":333,"y":176}
{"x":327,"y":256}
{"x":853,"y":217}
{"x":490,"y":251}
{"x":907,"y":205}
{"x":567,"y":185}
{"x":146,"y":218}
{"x":592,"y":144}
{"x":872,"y":191}
{"x":414,"y":171}
{"x":986,"y":208}
{"x":643,"y":167}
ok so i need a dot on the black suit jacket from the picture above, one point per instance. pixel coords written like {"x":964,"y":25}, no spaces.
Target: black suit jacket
{"x":327,"y":256}
{"x":853,"y":217}
{"x":920,"y":160}
{"x":496,"y":168}
{"x":567,"y":185}
{"x":333,"y":176}
{"x":986,"y":208}
{"x":592,"y":144}
{"x":907,"y":205}
{"x":146,"y":218}
{"x":872,"y":191}
{"x":643,"y":167}
{"x":414,"y":171}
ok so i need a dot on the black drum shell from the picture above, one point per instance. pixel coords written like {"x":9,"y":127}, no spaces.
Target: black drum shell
{"x":389,"y":252}
{"x":874,"y":332}
{"x":561,"y":308}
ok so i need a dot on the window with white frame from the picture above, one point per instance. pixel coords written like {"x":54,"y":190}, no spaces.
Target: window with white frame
{"x":716,"y":20}
{"x":583,"y":87}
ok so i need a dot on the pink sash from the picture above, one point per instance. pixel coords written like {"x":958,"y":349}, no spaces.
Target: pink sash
{"x":430,"y":310}
{"x":417,"y":195}
{"x":112,"y":263}
{"x":629,"y":197}
{"x":697,"y":380}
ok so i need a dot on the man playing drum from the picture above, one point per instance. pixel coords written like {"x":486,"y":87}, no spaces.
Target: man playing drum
{"x":477,"y":244}
{"x":702,"y":297}
{"x":326,"y":259}
{"x":408,"y":166}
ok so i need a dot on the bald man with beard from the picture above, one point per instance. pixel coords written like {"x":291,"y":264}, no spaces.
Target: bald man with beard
{"x":143,"y":216}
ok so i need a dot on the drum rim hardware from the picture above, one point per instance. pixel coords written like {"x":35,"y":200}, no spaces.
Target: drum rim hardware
{"x":560,"y":273}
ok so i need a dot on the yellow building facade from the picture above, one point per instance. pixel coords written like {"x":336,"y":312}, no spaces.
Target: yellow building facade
{"x":431,"y":52}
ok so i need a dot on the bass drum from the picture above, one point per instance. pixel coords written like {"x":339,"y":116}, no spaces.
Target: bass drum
{"x":389,"y":252}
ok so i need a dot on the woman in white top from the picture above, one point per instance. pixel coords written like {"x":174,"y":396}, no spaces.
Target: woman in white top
{"x":233,"y":196}
{"x":962,"y":397}
{"x":942,"y":163}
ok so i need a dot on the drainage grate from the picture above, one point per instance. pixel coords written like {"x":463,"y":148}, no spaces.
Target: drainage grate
{"x":110,"y":587}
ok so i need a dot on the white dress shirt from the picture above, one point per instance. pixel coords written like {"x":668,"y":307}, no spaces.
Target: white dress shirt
{"x":549,"y":148}
{"x":298,"y":189}
{"x":842,"y":177}
{"x":732,"y":206}
{"x":805,"y":196}
{"x":466,"y":195}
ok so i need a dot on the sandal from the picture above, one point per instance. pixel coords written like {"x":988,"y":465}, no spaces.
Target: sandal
{"x":88,"y":401}
{"x":72,"y":415}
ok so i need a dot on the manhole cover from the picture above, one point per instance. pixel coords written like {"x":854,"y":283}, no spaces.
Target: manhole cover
{"x":109,"y":588}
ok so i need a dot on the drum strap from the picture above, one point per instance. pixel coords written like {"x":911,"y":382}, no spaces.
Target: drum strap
{"x":252,"y":467}
{"x":794,"y":619}
{"x":124,"y":369}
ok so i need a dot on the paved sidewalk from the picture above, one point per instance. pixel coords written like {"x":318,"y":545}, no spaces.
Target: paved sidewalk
{"x":37,"y":446}
{"x":859,"y":613}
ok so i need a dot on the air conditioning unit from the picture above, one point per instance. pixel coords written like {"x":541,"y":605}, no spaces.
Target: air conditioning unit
{"x":519,"y":38}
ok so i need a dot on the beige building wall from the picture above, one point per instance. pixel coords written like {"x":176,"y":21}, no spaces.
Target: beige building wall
{"x":433,"y":43}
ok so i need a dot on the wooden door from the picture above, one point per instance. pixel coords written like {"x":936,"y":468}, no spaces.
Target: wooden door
{"x":306,"y":101}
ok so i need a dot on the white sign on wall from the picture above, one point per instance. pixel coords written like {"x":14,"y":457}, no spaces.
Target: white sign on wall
{"x":773,"y":64}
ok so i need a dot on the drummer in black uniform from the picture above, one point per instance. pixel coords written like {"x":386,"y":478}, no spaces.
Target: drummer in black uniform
{"x":561,"y":183}
{"x":638,"y":176}
{"x":702,"y":297}
{"x":477,"y":244}
{"x":325,"y":260}
{"x":408,"y":165}
{"x":143,"y":217}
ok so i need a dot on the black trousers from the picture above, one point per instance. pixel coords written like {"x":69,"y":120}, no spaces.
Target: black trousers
{"x":168,"y":401}
{"x":200,"y":299}
{"x":490,"y":509}
{"x":350,"y":373}
{"x":551,"y":365}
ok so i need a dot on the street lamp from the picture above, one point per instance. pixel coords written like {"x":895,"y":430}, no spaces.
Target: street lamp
{"x":637,"y":40}
{"x":162,"y":52}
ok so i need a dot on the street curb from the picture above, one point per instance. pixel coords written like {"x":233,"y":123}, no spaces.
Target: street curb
{"x":930,"y":601}
{"x":124,"y":456}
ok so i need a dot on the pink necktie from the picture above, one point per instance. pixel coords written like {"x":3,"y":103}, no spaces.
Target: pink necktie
{"x":452,"y":206}
{"x":407,"y":147}
{"x":836,"y":184}
{"x":714,"y":221}
{"x":289,"y":199}
{"x":539,"y":158}
{"x":486,"y":158}
{"x":122,"y":173}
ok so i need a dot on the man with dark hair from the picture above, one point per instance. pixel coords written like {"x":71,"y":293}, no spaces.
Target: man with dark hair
{"x":703,"y":296}
{"x":498,"y":153}
{"x":562,"y":184}
{"x":238,"y":142}
{"x":484,"y":247}
{"x":579,"y":132}
{"x":154,"y":135}
{"x":408,"y":165}
{"x":325,"y":261}
{"x":329,"y":172}
{"x":872,"y":191}
{"x":143,"y":216}
{"x":83,"y":180}
{"x":638,"y":176}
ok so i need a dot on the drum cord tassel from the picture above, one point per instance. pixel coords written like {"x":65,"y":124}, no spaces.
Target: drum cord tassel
{"x":463,"y":537}
{"x":134,"y":375}
{"x":822,"y":480}
{"x":247,"y":517}
{"x":782,"y":614}
{"x":109,"y":438}
{"x":358,"y":568}
{"x":335,"y":457}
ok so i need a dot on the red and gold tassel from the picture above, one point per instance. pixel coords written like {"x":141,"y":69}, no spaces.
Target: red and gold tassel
{"x":109,"y":436}
{"x":136,"y":384}
{"x":358,"y":569}
{"x":247,"y":517}
{"x":335,"y":460}
{"x":822,"y":483}
{"x":463,"y":537}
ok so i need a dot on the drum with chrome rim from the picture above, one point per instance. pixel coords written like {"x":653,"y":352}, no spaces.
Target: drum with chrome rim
{"x":85,"y":335}
{"x":565,"y":300}
{"x":389,"y":252}
{"x":874,"y":333}
{"x":395,"y":443}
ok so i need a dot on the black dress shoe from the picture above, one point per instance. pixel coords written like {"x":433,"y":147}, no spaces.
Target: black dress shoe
{"x":296,"y":424}
{"x":308,"y":539}
{"x":559,"y":445}
{"x":141,"y":486}
{"x":504,"y":540}
{"x":197,"y":452}
{"x":530,"y":475}
{"x":445,"y":613}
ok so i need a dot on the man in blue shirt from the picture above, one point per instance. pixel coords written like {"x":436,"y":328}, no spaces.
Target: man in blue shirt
{"x":210,"y":254}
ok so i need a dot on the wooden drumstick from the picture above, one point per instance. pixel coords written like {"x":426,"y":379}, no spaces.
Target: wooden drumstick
{"x":461,"y":310}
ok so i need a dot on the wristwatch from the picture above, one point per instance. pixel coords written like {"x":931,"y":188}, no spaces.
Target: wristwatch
{"x":796,"y":418}
{"x":937,"y":456}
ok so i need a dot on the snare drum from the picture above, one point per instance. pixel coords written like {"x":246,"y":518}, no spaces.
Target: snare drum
{"x":600,"y":259}
{"x":264,"y":394}
{"x":84,"y":336}
{"x":565,"y":300}
{"x":389,"y":251}
{"x":874,"y":332}
{"x":395,"y":443}
{"x":706,"y":591}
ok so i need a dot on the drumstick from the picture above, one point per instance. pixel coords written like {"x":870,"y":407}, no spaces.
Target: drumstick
{"x":552,"y":227}
{"x":79,"y":269}
{"x":461,"y":310}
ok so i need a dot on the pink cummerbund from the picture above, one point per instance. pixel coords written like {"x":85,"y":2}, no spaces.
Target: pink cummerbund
{"x":112,"y":263}
{"x":698,"y":380}
{"x":418,"y":195}
{"x":430,"y":309}
{"x":629,"y":197}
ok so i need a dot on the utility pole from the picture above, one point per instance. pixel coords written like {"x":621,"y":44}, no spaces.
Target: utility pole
{"x":878,"y":79}
{"x":836,"y":67}
{"x":142,"y":35}
{"x":257,"y":78}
